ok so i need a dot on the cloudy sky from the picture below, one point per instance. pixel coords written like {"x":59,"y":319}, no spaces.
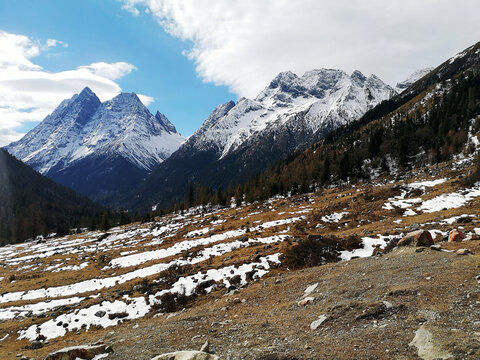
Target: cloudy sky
{"x":186,"y":56}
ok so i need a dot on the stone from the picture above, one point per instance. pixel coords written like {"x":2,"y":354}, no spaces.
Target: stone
{"x":464,"y":252}
{"x":306,"y":301}
{"x":456,"y":235}
{"x":420,"y":249}
{"x":310,"y":289}
{"x":388,"y":304}
{"x":82,"y":352}
{"x":316,"y":324}
{"x":427,"y":346}
{"x":100,"y":313}
{"x":416,"y":238}
{"x":187,"y":355}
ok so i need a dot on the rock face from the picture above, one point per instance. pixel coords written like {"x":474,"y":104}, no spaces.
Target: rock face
{"x":86,"y":352}
{"x":416,"y":238}
{"x":456,"y":235}
{"x":240,"y":139}
{"x":98,"y":149}
{"x":187,"y":355}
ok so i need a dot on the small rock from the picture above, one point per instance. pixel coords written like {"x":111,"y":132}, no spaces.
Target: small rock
{"x":306,"y":301}
{"x":310,"y":289}
{"x":100,"y":313}
{"x":464,"y":252}
{"x":388,"y":304}
{"x":420,"y":249}
{"x":315,"y":324}
{"x":456,"y":235}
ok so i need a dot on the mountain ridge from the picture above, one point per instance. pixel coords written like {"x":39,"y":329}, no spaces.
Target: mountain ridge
{"x":239,"y":139}
{"x":84,"y":138}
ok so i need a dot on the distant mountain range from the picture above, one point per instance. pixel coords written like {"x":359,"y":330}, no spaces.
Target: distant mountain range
{"x":121,"y":155}
{"x":99,"y":149}
{"x":241,"y":139}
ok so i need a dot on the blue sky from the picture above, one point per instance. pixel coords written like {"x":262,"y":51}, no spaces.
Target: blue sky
{"x":190,"y":56}
{"x":100,"y":30}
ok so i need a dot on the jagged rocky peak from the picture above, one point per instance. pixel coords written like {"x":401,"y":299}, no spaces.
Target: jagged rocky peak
{"x":166,"y":124}
{"x":358,"y":77}
{"x":79,"y":108}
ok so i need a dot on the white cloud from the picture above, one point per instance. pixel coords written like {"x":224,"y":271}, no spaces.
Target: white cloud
{"x":146,"y":100}
{"x":111,"y":71}
{"x":244,"y":44}
{"x":54,"y":42}
{"x":131,"y":9}
{"x":29,"y":93}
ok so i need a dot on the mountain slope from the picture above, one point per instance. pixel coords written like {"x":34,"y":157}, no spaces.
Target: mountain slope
{"x":98,"y":149}
{"x":31,"y":204}
{"x":435,"y":119}
{"x":238,"y":140}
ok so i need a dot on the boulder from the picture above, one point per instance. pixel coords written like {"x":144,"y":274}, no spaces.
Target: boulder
{"x":85,"y":352}
{"x":456,"y":235}
{"x":187,"y":355}
{"x":416,"y":238}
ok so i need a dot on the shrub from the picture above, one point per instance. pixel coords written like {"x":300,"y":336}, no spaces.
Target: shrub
{"x":312,"y":251}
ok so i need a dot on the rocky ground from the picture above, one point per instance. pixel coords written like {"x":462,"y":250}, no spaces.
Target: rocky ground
{"x":405,"y":303}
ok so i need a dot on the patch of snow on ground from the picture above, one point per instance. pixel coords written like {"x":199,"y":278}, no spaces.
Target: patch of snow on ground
{"x":334,"y":217}
{"x":135,"y":308}
{"x":187,"y":285}
{"x":426,"y":183}
{"x":369,"y":244}
{"x":409,"y":212}
{"x":450,"y":201}
{"x":35,"y":309}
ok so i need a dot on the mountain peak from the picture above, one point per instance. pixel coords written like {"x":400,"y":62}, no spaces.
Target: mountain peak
{"x":358,"y":76}
{"x":283,"y":78}
{"x":86,"y":92}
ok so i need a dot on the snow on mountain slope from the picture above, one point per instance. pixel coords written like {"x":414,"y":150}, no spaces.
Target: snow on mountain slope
{"x":326,"y":98}
{"x":83,"y":126}
{"x":417,"y":75}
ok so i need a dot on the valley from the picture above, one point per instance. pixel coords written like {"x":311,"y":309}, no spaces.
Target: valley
{"x":231,"y":274}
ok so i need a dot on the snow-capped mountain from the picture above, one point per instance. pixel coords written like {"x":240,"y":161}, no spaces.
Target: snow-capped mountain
{"x":326,"y":99}
{"x":291,"y":113}
{"x":86,"y":137}
{"x":417,"y":75}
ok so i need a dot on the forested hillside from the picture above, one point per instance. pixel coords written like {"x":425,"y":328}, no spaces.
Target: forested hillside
{"x":31,"y":204}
